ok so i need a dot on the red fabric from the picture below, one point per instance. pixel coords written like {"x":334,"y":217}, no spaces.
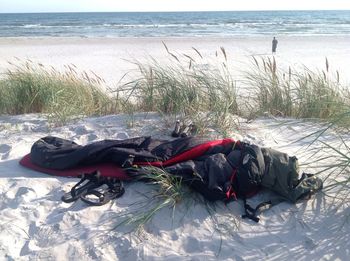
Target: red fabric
{"x":189,"y":154}
{"x":106,"y":169}
{"x":230,"y":192}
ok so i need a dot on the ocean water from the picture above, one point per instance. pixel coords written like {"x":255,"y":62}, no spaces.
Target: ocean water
{"x":176,"y":24}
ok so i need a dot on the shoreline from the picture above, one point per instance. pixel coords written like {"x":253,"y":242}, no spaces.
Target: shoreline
{"x":156,"y":38}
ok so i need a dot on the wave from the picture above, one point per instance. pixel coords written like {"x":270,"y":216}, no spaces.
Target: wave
{"x":157,"y":25}
{"x":31,"y":25}
{"x":176,"y":24}
{"x":50,"y":26}
{"x":180,"y":25}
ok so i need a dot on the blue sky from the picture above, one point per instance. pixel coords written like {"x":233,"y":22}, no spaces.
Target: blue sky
{"x":8,"y":6}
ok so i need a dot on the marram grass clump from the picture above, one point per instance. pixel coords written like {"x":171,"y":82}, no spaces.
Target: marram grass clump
{"x":299,"y":94}
{"x":168,"y":192}
{"x":187,"y":87}
{"x":34,"y":88}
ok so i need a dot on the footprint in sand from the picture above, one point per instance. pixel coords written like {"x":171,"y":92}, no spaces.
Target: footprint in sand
{"x":91,"y":137}
{"x":115,"y":133}
{"x":309,"y":243}
{"x":25,"y":250}
{"x":125,"y":251}
{"x":47,"y":235}
{"x":4,"y":151}
{"x":23,"y":194}
{"x":4,"y":148}
{"x":122,"y":136}
{"x":192,"y":245}
{"x":84,"y":139}
{"x":79,"y":130}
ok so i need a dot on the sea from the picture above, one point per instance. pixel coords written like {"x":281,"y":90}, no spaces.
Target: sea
{"x":176,"y":24}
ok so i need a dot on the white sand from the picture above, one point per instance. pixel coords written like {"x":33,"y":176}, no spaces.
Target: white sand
{"x":36,"y":225}
{"x":108,"y":56}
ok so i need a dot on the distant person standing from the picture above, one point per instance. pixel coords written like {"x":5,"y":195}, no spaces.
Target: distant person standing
{"x":274,"y":45}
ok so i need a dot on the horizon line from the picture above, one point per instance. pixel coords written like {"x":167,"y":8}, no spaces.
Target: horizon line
{"x":185,"y":11}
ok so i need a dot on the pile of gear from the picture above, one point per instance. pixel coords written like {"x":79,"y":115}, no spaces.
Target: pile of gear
{"x":218,"y":169}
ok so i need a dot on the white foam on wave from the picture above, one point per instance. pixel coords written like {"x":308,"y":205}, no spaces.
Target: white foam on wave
{"x":31,"y":25}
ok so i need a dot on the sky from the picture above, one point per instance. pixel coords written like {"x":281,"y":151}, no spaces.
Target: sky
{"x":23,"y":6}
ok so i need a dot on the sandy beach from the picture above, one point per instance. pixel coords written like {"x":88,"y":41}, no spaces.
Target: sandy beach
{"x":111,"y":58}
{"x":36,"y":225}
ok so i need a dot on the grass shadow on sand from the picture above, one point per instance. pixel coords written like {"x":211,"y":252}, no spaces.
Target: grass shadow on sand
{"x":310,"y":228}
{"x":316,"y":228}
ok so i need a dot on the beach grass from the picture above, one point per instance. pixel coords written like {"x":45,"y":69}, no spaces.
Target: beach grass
{"x":330,"y":158}
{"x":33,"y":88}
{"x":311,"y":95}
{"x":303,"y":94}
{"x":189,"y":90}
{"x":168,"y":193}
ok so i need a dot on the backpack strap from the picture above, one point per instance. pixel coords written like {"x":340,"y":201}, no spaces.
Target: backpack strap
{"x":251,"y":213}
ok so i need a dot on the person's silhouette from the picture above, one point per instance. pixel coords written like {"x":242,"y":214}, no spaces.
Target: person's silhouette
{"x":274,"y":45}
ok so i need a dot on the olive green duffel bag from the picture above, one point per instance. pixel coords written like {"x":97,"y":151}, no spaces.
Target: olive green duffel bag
{"x":282,"y":176}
